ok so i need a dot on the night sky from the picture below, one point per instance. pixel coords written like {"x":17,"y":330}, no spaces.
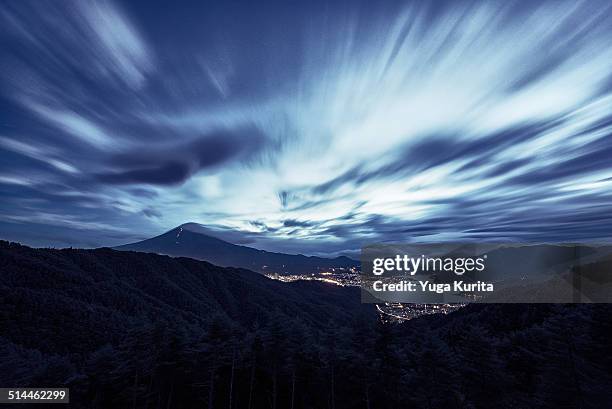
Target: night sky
{"x":305,"y":127}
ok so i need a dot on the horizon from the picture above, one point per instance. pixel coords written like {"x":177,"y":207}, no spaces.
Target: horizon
{"x":196,"y":228}
{"x":331,"y":127}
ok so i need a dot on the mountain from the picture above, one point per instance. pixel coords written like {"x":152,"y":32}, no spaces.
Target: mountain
{"x":125,"y":329}
{"x":186,"y":241}
{"x":96,"y":293}
{"x":99,"y":321}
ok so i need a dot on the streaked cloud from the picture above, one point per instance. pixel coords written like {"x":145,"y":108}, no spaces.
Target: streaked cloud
{"x":310,"y":130}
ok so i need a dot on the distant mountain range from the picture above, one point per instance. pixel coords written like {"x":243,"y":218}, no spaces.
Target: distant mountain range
{"x":186,"y":241}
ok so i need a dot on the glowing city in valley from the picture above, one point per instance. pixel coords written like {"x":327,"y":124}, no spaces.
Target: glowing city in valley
{"x":350,"y":277}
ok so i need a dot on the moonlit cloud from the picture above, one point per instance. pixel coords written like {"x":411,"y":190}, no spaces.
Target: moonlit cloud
{"x":307,"y":129}
{"x":126,"y":54}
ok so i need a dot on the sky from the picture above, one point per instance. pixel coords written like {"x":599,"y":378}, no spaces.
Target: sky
{"x":306,"y":127}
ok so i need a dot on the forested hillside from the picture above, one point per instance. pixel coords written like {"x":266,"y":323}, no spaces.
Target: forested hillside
{"x":134,"y":330}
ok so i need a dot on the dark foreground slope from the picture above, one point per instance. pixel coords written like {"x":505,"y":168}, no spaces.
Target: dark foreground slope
{"x":134,"y":330}
{"x":188,"y":241}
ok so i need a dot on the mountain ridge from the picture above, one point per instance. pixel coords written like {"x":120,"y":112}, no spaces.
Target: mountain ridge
{"x":123,"y":327}
{"x":183,"y":241}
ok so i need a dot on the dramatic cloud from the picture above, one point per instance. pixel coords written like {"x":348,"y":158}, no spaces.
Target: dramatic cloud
{"x":305,"y":129}
{"x":168,"y":164}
